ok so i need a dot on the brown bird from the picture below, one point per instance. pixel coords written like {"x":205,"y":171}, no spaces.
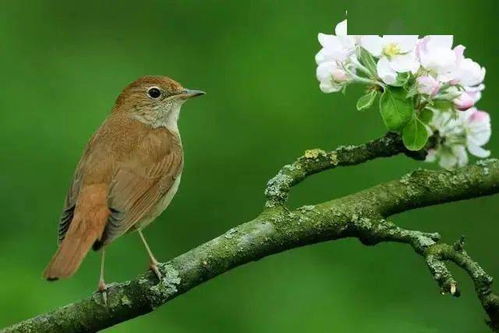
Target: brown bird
{"x":128,"y":174}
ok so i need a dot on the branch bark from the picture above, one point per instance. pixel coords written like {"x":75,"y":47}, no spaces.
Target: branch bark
{"x":317,"y":160}
{"x":362,"y":215}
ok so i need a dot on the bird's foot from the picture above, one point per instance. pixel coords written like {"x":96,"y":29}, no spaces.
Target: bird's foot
{"x":153,"y":266}
{"x":103,"y":290}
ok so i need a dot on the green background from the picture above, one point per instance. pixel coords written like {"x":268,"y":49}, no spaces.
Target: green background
{"x":62,"y":63}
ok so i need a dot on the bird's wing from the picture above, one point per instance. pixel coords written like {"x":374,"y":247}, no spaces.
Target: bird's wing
{"x":74,"y":190}
{"x":141,"y":180}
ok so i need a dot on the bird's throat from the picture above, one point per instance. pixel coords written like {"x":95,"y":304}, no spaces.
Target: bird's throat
{"x":166,"y":118}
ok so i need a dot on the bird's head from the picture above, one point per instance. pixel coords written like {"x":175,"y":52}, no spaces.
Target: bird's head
{"x":154,"y":100}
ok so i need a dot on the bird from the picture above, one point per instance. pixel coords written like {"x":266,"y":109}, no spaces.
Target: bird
{"x":127,"y":176}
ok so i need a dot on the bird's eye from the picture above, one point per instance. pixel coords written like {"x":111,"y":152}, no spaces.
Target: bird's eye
{"x":154,"y":92}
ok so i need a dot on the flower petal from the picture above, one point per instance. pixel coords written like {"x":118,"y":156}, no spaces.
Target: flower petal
{"x":324,"y":74}
{"x":478,"y":136}
{"x":461,"y":156}
{"x":327,"y":40}
{"x":373,"y":44}
{"x":341,"y":28}
{"x":459,"y":51}
{"x":328,"y":87}
{"x":405,"y":63}
{"x":447,"y":160}
{"x":321,"y":56}
{"x":440,"y":60}
{"x":406,"y":43}
{"x":478,"y":151}
{"x":427,"y":85}
{"x":324,"y":71}
{"x":385,"y":71}
{"x":440,"y":41}
{"x":326,"y":55}
{"x":469,"y":73}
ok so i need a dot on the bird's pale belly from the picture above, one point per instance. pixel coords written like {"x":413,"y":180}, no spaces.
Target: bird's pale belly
{"x":160,"y":206}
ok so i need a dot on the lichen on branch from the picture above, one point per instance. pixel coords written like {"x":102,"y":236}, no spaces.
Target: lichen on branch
{"x":317,"y":160}
{"x":362,"y":215}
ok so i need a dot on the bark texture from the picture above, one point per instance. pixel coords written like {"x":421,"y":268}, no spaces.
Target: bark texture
{"x":364,"y":215}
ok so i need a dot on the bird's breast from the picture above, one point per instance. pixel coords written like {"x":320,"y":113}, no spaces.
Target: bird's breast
{"x":161,"y":205}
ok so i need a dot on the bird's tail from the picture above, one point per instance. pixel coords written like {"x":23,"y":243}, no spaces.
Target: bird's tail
{"x":77,"y":242}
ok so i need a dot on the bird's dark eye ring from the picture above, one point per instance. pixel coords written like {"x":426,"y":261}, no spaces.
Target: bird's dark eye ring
{"x":154,"y":92}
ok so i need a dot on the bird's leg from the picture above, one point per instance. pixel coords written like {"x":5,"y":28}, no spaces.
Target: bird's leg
{"x":102,"y":285}
{"x":153,"y":265}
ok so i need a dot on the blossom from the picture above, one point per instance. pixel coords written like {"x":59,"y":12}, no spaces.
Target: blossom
{"x":337,"y":47}
{"x":332,"y":78}
{"x":411,"y":76}
{"x":333,"y":59}
{"x":448,"y":157}
{"x":437,"y":56}
{"x":449,"y":65}
{"x":469,"y":131}
{"x":396,"y":54}
{"x":428,"y":85}
{"x":478,"y":131}
{"x":468,"y":73}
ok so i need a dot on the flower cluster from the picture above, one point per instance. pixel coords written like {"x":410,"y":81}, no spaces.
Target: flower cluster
{"x":426,"y":87}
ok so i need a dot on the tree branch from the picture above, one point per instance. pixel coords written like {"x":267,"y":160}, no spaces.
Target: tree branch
{"x":276,"y":229}
{"x":436,"y":254}
{"x":317,"y":160}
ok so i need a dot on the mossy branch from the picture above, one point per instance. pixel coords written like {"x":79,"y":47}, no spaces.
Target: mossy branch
{"x":317,"y":160}
{"x":362,"y":215}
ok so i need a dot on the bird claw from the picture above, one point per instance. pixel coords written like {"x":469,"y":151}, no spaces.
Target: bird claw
{"x":103,"y":291}
{"x":154,"y":267}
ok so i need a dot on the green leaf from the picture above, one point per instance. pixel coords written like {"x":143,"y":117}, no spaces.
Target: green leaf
{"x":442,"y":104}
{"x":367,"y":100}
{"x":412,"y":91}
{"x":368,"y":61}
{"x":396,"y":110}
{"x":426,"y":115}
{"x":415,"y":134}
{"x":402,"y":79}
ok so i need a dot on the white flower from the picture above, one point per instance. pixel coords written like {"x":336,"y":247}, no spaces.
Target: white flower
{"x":451,"y":151}
{"x":449,"y":65}
{"x":337,"y":47}
{"x":396,"y":53}
{"x":470,"y":130}
{"x":428,"y":85}
{"x":334,"y":57}
{"x":478,"y":131}
{"x":437,"y":56}
{"x":448,"y":156}
{"x":436,"y":75}
{"x":468,"y":73}
{"x":332,"y":78}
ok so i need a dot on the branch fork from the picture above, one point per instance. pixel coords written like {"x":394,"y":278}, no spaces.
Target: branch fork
{"x":364,"y":215}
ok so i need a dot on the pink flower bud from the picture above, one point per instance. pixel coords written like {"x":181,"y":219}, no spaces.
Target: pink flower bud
{"x":428,"y":85}
{"x":464,"y":101}
{"x":339,"y":75}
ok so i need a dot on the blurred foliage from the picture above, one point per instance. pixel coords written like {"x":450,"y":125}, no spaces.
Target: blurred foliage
{"x":62,"y":65}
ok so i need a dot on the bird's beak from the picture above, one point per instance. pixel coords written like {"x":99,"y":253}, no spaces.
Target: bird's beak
{"x":189,"y":93}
